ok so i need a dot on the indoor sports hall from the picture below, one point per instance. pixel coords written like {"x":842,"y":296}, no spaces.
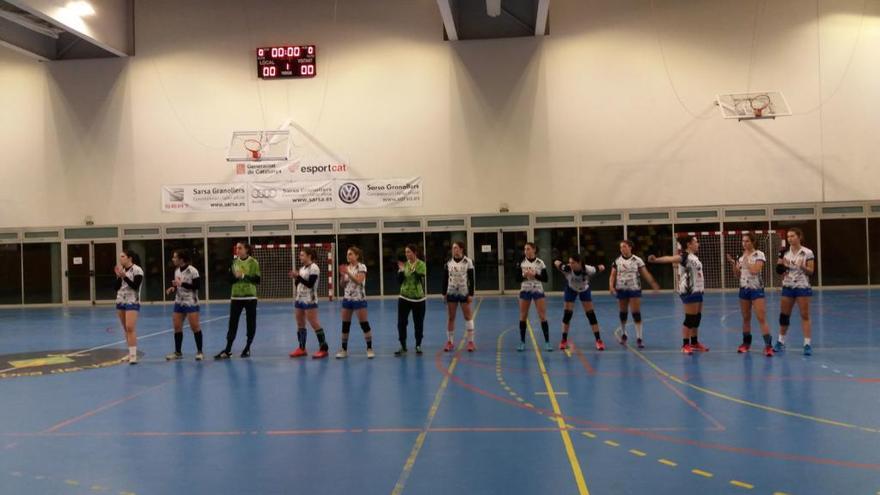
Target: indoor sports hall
{"x":439,"y":247}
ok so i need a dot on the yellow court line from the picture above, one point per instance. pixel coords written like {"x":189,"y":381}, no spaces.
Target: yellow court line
{"x":588,"y":434}
{"x":667,"y":462}
{"x":563,"y":431}
{"x":438,"y":397}
{"x":700,"y":472}
{"x":637,"y":452}
{"x":742,"y":484}
{"x":612,"y":443}
{"x":763,"y":407}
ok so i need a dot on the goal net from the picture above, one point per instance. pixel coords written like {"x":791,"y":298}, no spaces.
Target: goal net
{"x":276,"y":262}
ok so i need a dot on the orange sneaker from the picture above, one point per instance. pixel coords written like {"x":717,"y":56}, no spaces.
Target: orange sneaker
{"x":299,"y":353}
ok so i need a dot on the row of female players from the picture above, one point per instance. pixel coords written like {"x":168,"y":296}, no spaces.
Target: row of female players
{"x":795,"y":262}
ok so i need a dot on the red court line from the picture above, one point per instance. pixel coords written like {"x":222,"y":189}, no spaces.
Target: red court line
{"x":583,"y":359}
{"x":656,"y":436}
{"x":691,"y":403}
{"x":100,"y":409}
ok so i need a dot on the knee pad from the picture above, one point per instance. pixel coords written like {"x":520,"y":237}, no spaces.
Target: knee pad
{"x":566,"y":316}
{"x":365,"y":326}
{"x":623,"y":316}
{"x":591,"y":316}
{"x":637,"y":317}
{"x":690,"y":321}
{"x":697,"y":321}
{"x":346,"y":326}
{"x":784,"y":319}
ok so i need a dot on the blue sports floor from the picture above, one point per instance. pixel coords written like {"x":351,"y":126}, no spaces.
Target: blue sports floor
{"x":496,"y":421}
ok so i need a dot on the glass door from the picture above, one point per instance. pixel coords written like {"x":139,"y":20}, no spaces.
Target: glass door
{"x":512,"y":245}
{"x":487,"y":261}
{"x":79,"y":272}
{"x":89,"y":274}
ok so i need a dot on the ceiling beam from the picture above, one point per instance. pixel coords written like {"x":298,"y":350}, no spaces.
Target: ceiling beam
{"x":448,"y":20}
{"x":541,"y":20}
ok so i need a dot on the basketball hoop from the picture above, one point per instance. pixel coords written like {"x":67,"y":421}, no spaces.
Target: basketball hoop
{"x":254,"y":147}
{"x":759,"y":104}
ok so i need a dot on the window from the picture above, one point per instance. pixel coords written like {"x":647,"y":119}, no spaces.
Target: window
{"x":601,"y":246}
{"x":656,"y":240}
{"x":10,"y":273}
{"x":42,"y":266}
{"x":845,"y":252}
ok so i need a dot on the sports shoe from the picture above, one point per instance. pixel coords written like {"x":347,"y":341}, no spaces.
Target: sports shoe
{"x":224,"y":354}
{"x":321,"y":354}
{"x":600,"y":346}
{"x":521,"y":347}
{"x":471,"y":346}
{"x":199,"y":356}
{"x":687,"y":349}
{"x":342,"y":354}
{"x":563,"y":345}
{"x":246,"y":353}
{"x":370,"y":354}
{"x":742,"y":349}
{"x":620,"y":335}
{"x":778,"y":347}
{"x":400,"y":352}
{"x":548,"y":347}
{"x":174,"y":356}
{"x":640,"y":344}
{"x":133,"y":359}
{"x":419,"y":349}
{"x":299,"y":352}
{"x":808,"y":350}
{"x":449,"y":347}
{"x":768,"y":351}
{"x":699,"y":347}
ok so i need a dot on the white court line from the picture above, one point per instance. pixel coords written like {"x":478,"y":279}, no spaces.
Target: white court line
{"x":111,"y":344}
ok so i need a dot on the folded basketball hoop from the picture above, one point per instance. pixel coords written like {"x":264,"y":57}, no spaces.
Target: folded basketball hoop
{"x":751,"y":106}
{"x":259,"y":146}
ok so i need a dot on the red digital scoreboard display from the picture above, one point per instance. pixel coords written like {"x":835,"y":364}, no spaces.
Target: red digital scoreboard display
{"x":282,"y":62}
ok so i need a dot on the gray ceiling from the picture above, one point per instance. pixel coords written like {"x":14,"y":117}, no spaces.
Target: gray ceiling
{"x":517,"y":18}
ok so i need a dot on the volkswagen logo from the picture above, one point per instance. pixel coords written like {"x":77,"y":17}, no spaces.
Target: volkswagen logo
{"x":264,"y":193}
{"x":349,"y":193}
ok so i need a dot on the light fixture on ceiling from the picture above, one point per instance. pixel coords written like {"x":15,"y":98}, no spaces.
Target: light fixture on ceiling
{"x":493,"y":8}
{"x":80,"y":8}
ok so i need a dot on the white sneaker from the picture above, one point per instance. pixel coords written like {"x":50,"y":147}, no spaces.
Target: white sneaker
{"x":342,"y":354}
{"x":200,"y":356}
{"x":174,"y":356}
{"x":133,"y":359}
{"x":370,"y":354}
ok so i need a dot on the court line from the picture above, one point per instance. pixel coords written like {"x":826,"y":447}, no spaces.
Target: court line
{"x":559,"y":418}
{"x":432,"y":413}
{"x":692,"y":404}
{"x":743,"y":402}
{"x":100,"y":409}
{"x":141,"y":337}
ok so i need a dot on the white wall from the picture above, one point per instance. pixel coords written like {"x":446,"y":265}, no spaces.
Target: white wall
{"x":586,"y":118}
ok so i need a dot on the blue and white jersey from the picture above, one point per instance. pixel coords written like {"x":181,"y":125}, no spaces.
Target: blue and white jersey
{"x":458,"y":276}
{"x":579,"y":281}
{"x":628,"y":273}
{"x":305,"y":294}
{"x":183,"y":296}
{"x":690,"y":275}
{"x":795,"y":277}
{"x":354,"y":291}
{"x":125,"y":294}
{"x":534,"y":285}
{"x":747,"y":279}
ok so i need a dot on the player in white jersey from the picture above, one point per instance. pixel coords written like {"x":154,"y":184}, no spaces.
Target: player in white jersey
{"x":797,"y":263}
{"x":354,"y":300}
{"x":577,"y":286}
{"x":532,"y":274}
{"x":306,"y":303}
{"x":690,"y":290}
{"x":458,"y":289}
{"x":129,"y":277}
{"x":625,"y":283}
{"x":750,"y":268}
{"x":185,"y":288}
